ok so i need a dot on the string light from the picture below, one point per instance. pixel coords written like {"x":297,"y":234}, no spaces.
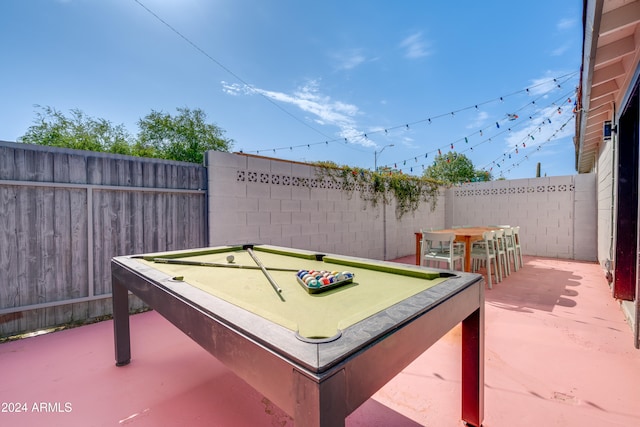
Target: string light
{"x":551,"y":138}
{"x":466,"y":138}
{"x":489,"y":140}
{"x":430,"y":119}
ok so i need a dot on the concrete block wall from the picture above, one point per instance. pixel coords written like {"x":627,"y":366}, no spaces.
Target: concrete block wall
{"x":585,"y":223}
{"x":263,"y":200}
{"x":556,"y":215}
{"x":606,"y":211}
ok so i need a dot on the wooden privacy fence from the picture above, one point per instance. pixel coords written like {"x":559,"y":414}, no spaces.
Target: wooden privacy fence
{"x":65,"y":213}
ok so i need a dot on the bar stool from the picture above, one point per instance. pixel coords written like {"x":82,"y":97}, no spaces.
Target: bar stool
{"x":486,"y":254}
{"x":501,"y":254}
{"x":510,"y":248}
{"x":516,"y":243}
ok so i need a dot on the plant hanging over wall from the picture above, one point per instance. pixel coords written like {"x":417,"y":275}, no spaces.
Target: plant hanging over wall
{"x":375,"y":187}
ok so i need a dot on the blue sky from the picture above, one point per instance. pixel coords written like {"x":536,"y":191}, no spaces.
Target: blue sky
{"x":309,"y":81}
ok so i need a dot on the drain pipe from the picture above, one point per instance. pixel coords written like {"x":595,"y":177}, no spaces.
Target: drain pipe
{"x":614,"y":161}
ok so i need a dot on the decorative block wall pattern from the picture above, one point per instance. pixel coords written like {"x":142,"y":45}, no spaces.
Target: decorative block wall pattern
{"x":556,"y":215}
{"x":264,"y":200}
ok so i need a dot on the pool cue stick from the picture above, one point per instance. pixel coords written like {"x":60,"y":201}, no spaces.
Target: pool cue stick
{"x":216,"y":264}
{"x":266,"y":273}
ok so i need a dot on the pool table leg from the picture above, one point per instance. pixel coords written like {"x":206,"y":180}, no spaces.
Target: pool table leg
{"x":322,"y":404}
{"x":473,"y":368}
{"x":122,"y":341}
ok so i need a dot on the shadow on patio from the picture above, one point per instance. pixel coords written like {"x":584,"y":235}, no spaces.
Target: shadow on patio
{"x":558,"y":353}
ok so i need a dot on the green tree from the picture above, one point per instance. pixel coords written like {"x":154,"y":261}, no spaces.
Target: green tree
{"x":78,"y":131}
{"x":482,"y":175}
{"x":454,"y":168}
{"x":185,"y":136}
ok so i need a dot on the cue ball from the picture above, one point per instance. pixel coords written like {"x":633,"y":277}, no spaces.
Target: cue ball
{"x":230,"y":258}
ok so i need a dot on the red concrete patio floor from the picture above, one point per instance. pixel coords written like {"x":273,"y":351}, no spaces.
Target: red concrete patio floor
{"x":558,"y":353}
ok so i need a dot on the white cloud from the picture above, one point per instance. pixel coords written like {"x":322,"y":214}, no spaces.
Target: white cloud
{"x":234,"y":88}
{"x":415,"y":47}
{"x":561,"y":49}
{"x":566,"y":24}
{"x":409,"y":142}
{"x":322,"y":108}
{"x":348,"y":59}
{"x":546,"y":84}
{"x":479,"y":121}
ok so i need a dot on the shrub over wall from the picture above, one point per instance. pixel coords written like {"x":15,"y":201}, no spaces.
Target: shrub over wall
{"x":376,"y":187}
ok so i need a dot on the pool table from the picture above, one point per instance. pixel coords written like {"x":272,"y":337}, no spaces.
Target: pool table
{"x":318,"y":354}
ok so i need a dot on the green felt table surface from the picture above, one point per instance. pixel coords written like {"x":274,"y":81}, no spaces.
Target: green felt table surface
{"x":376,"y":286}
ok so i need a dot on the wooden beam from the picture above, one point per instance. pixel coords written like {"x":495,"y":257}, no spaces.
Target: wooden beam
{"x":603,"y":100}
{"x":604,"y":89}
{"x":620,"y":18}
{"x":597,"y":119}
{"x":592,"y":136}
{"x":615,"y":50}
{"x":609,"y":72}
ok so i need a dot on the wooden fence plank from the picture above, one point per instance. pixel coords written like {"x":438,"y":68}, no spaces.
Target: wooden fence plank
{"x":9,"y":249}
{"x":44,"y":240}
{"x":7,"y":163}
{"x":78,"y":241}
